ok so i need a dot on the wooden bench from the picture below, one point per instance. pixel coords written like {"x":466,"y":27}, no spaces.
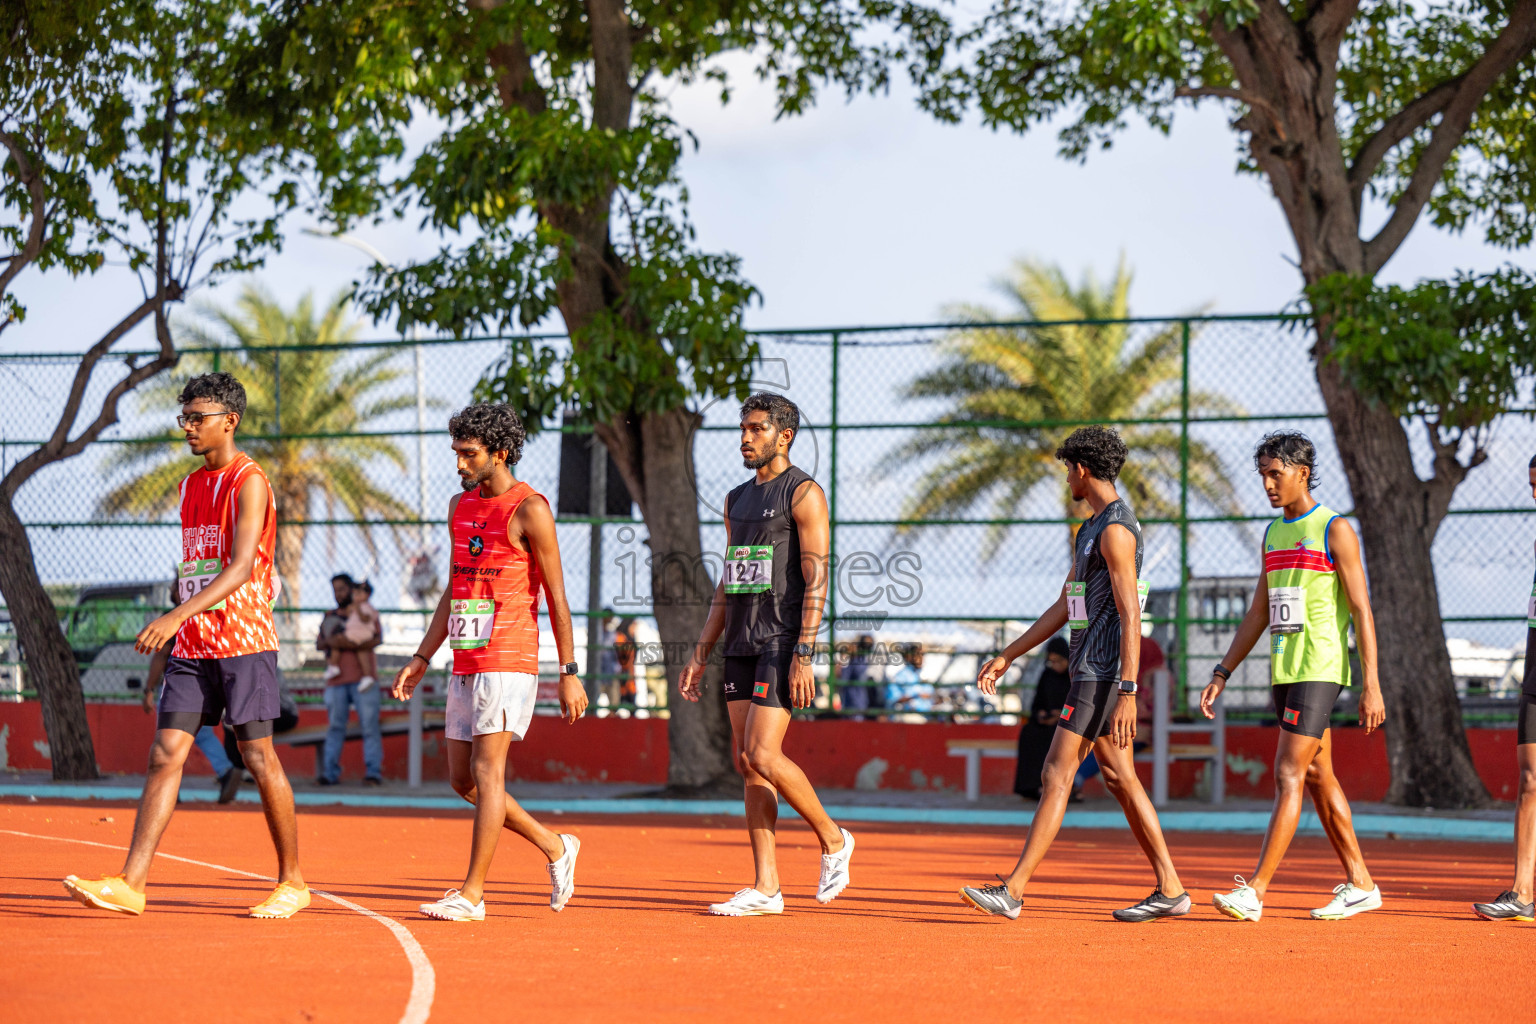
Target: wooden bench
{"x":974,"y":750}
{"x":389,"y":725}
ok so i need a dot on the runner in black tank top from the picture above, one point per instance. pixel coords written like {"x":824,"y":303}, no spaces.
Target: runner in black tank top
{"x":1101,"y":600}
{"x":767,"y":607}
{"x":1518,"y":903}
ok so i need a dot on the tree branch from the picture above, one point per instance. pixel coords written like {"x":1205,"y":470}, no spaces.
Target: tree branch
{"x":1512,"y":45}
{"x":1241,"y":95}
{"x":1397,"y":128}
{"x":516,"y":84}
{"x":28,"y":176}
{"x":612,"y":61}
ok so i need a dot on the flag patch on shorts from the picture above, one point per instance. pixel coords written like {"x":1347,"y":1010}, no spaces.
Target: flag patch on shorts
{"x":1291,"y":715}
{"x":760,"y":689}
{"x":1066,"y":713}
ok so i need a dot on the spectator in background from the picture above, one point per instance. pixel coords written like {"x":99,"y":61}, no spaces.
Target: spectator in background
{"x":1035,"y":737}
{"x":342,"y":692}
{"x":624,"y":656}
{"x":861,"y":696}
{"x":905,"y":690}
{"x":607,"y":663}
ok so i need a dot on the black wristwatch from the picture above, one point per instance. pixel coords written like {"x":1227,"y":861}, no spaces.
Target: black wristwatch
{"x":1127,"y":687}
{"x":570,"y":668}
{"x":804,"y":650}
{"x":1221,"y":670}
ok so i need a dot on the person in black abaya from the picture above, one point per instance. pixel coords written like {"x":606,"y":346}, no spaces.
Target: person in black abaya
{"x":1040,"y":726}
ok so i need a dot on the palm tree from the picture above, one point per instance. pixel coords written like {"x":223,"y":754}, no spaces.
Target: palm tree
{"x":998,"y":377}
{"x":324,"y":392}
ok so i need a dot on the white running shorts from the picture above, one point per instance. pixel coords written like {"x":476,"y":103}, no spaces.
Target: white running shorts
{"x":490,"y":702}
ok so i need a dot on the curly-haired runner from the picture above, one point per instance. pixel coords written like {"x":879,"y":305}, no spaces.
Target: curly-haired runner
{"x":1101,"y":602}
{"x":504,"y":554}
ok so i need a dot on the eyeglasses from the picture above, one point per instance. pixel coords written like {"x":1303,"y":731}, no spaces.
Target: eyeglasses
{"x":195,"y":419}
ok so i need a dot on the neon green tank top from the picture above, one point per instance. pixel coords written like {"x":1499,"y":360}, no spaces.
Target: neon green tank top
{"x":1308,"y":613}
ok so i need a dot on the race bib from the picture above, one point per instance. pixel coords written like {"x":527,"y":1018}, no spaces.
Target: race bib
{"x":470,"y":624}
{"x":749,"y":569}
{"x":1287,"y":609}
{"x":193,"y":578}
{"x":1530,"y":610}
{"x":1077,"y":602}
{"x":1077,"y":605}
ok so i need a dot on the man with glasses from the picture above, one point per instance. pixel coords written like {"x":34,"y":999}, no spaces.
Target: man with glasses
{"x":224,"y":664}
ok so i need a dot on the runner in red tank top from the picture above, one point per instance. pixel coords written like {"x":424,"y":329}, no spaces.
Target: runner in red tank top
{"x":225,"y":661}
{"x":504,"y":553}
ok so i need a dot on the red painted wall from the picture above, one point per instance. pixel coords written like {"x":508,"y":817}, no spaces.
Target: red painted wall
{"x":835,"y":754}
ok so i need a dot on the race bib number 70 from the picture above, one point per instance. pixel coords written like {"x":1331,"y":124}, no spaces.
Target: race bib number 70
{"x":1287,"y":609}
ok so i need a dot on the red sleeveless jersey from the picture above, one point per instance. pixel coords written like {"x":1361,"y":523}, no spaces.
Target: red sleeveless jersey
{"x":241,"y":623}
{"x":493,"y":604}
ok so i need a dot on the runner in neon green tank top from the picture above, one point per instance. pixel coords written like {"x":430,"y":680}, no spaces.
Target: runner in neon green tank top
{"x":1313,"y":584}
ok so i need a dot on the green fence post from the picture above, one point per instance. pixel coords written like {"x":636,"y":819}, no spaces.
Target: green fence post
{"x":1181,"y":616}
{"x":831,"y":609}
{"x":277,"y":392}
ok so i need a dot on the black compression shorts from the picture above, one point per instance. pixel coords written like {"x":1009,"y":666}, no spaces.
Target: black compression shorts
{"x":761,"y":678}
{"x":1525,"y":720}
{"x":1090,"y":707}
{"x":1303,"y":708}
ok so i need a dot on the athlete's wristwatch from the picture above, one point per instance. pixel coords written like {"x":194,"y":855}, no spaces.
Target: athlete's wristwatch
{"x":804,"y":650}
{"x":1127,"y":687}
{"x":570,"y":668}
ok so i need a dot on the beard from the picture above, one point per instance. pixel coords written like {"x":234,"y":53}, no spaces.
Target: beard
{"x":474,"y":480}
{"x":758,"y":459}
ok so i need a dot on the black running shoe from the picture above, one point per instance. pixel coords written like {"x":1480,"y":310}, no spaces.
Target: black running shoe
{"x":1155,"y":906}
{"x":229,"y":785}
{"x":1506,"y":908}
{"x":992,"y":899}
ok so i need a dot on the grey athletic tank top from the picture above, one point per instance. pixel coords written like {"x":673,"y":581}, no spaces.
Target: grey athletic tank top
{"x":764,"y":611}
{"x":1095,"y":653}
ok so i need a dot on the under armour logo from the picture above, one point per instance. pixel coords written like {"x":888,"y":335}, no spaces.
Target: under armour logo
{"x":767,"y":512}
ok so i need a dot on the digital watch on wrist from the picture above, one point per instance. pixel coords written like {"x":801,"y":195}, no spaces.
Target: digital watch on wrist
{"x":804,"y":650}
{"x":1127,"y":687}
{"x":568,"y":669}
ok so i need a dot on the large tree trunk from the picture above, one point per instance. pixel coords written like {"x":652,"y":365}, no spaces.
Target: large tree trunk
{"x":1287,"y":71}
{"x":660,"y":447}
{"x":50,"y":665}
{"x":1399,"y":515}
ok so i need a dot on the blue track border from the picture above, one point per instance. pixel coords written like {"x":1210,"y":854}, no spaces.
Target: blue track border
{"x":1401,"y":826}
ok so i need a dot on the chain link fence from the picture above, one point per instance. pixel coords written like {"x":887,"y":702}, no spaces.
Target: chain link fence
{"x":950,"y":520}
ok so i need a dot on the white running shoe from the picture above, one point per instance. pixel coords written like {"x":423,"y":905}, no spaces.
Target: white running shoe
{"x":331,"y":672}
{"x":454,"y":907}
{"x":365,"y":684}
{"x":1348,"y":900}
{"x":562,"y":873}
{"x":1242,"y":903}
{"x":749,"y":903}
{"x":834,"y":870}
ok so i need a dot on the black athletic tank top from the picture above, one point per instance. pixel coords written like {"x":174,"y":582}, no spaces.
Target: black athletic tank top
{"x":1528,"y":684}
{"x":1095,"y":653}
{"x":761,"y":515}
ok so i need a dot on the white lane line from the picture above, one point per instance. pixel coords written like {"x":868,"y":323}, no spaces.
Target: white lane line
{"x":423,"y":978}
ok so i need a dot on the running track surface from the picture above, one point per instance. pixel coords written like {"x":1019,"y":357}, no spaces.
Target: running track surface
{"x":634,"y":945}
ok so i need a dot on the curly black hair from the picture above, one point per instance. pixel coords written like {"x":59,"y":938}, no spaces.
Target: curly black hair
{"x":1292,"y":448}
{"x":1097,"y":449}
{"x":220,"y":387}
{"x":782,"y":413}
{"x":492,"y":424}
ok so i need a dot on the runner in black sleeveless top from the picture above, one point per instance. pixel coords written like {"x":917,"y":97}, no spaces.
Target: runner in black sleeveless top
{"x":768,"y":606}
{"x":1518,"y":903}
{"x":1101,"y":601}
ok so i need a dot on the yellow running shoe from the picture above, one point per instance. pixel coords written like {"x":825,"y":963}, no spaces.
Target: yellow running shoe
{"x":110,"y":892}
{"x":285,"y":901}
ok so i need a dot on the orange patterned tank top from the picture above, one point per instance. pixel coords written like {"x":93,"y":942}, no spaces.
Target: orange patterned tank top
{"x":493,"y":608}
{"x":241,"y":623}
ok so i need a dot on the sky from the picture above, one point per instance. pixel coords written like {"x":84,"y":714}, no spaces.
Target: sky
{"x":869,"y":212}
